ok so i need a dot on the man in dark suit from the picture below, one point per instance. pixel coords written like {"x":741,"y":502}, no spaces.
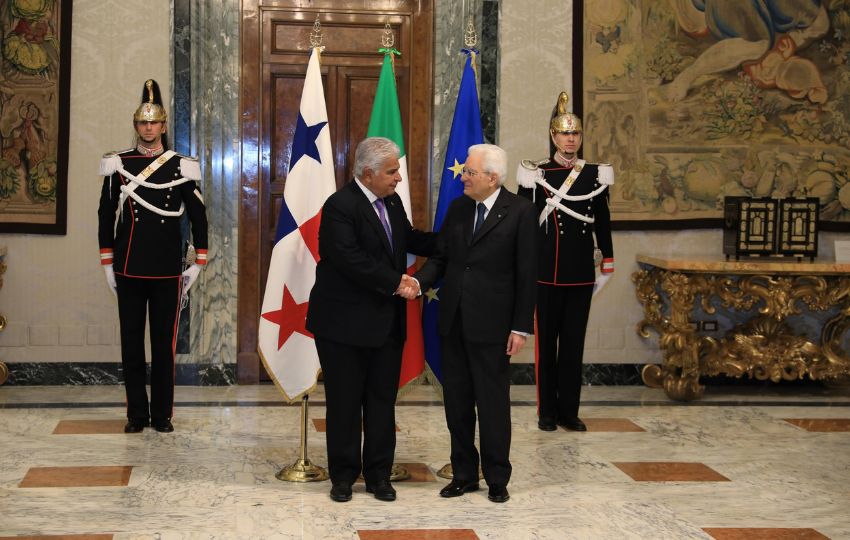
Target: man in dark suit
{"x":357,"y":315}
{"x":486,"y":253}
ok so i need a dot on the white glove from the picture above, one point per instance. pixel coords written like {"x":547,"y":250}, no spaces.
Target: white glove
{"x":600,"y":283}
{"x":110,"y":278}
{"x":190,"y":275}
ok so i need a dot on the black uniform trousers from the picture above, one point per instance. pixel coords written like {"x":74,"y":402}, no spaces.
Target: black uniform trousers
{"x":562,"y":314}
{"x":477,"y":374}
{"x":361,"y":386}
{"x":160,"y":300}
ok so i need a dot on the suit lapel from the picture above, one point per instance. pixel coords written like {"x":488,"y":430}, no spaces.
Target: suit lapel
{"x":494,"y":216}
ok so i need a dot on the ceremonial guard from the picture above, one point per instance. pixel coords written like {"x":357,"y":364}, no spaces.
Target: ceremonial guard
{"x":145,"y":192}
{"x":571,"y":196}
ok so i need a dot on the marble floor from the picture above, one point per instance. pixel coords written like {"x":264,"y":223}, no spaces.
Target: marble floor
{"x":744,"y":462}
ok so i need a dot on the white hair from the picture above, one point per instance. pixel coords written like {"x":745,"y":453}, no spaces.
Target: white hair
{"x":371,"y":154}
{"x":493,"y":159}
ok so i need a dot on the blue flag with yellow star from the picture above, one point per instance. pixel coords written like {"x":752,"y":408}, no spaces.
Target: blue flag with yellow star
{"x":466,"y":131}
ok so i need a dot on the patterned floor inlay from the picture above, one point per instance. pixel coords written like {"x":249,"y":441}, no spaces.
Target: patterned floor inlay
{"x":321,"y":425}
{"x":61,"y":537}
{"x":89,"y":427}
{"x":723,"y":533}
{"x":419,"y":472}
{"x":669,"y":471}
{"x":618,"y":425}
{"x":821,"y":424}
{"x":419,"y":534}
{"x":114,"y":476}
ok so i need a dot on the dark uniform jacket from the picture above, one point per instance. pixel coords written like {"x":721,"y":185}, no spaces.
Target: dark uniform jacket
{"x":353,"y":301}
{"x":565,"y":244}
{"x":139,"y":242}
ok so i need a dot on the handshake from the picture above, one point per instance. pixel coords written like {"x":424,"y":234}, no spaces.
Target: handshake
{"x":408,"y":288}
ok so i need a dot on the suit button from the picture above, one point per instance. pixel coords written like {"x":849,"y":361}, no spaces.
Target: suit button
{"x":467,"y":268}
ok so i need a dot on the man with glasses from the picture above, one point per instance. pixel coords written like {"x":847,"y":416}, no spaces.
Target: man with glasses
{"x":486,"y":255}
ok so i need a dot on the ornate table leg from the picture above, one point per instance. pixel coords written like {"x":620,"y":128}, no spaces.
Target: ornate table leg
{"x":679,"y":372}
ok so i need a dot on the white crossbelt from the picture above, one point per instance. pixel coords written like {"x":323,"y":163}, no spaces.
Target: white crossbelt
{"x":562,"y":194}
{"x":140,"y":180}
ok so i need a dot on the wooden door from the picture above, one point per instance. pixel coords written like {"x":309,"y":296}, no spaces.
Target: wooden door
{"x":275,"y":50}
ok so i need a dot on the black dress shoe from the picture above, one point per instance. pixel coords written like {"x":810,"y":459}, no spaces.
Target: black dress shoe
{"x":456,"y":488}
{"x":546,"y":423}
{"x":341,"y":492}
{"x":498,"y":493}
{"x":163,"y":426}
{"x":382,"y":490}
{"x":135,"y":426}
{"x":574,"y":424}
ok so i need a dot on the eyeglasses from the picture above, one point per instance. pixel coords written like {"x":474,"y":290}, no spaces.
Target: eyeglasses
{"x":470,"y":172}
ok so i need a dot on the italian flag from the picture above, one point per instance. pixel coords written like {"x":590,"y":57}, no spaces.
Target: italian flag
{"x":386,"y":122}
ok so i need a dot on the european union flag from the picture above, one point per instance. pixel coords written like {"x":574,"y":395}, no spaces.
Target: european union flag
{"x":466,"y":131}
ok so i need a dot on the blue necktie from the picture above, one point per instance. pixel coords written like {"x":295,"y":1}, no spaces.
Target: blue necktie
{"x":480,"y":219}
{"x":382,"y":213}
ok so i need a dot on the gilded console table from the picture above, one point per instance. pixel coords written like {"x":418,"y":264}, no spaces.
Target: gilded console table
{"x":764,"y":347}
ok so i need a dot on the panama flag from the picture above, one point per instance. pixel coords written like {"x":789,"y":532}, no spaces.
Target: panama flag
{"x":386,"y":122}
{"x":286,"y":347}
{"x":465,"y":131}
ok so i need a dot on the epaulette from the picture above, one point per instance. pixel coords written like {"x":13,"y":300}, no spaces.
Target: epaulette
{"x":605,"y":174}
{"x":190,"y":168}
{"x":111,"y":161}
{"x":528,"y":172}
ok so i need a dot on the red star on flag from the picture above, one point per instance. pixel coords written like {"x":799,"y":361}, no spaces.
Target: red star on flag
{"x":291,"y":318}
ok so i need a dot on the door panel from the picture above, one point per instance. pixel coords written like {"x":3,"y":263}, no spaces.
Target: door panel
{"x":275,"y":50}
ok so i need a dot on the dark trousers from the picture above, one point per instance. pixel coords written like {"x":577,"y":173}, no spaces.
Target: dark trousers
{"x":159,"y":299}
{"x":361,"y":385}
{"x":477,"y":375}
{"x":562,"y":314}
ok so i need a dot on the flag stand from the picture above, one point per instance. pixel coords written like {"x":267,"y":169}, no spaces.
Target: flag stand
{"x":446,"y":472}
{"x":399,"y":473}
{"x":303,"y":470}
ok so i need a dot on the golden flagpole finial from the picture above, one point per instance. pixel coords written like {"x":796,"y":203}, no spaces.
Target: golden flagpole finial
{"x":388,"y":38}
{"x":470,"y":37}
{"x":316,"y":35}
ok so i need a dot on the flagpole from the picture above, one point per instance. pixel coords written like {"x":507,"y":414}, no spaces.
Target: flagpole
{"x":303,"y":470}
{"x":398,"y":472}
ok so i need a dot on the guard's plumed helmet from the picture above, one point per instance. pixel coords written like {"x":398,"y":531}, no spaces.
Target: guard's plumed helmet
{"x":563,"y":121}
{"x":151,"y":109}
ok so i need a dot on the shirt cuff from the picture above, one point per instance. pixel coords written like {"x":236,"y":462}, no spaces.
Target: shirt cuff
{"x":517,"y":332}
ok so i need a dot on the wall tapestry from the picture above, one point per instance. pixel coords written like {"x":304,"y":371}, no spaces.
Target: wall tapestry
{"x":35,"y":81}
{"x":693,"y":100}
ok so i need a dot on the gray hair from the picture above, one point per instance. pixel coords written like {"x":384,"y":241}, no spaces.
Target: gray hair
{"x":372,"y":152}
{"x":493,"y":159}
